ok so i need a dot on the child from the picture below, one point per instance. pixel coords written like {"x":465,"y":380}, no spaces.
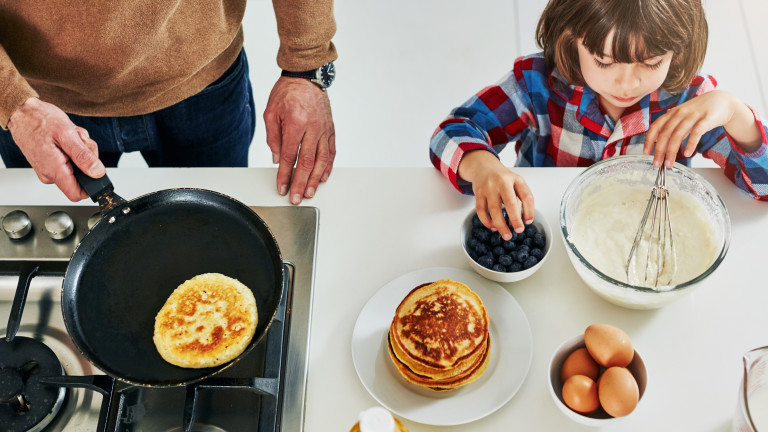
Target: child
{"x":615,"y":77}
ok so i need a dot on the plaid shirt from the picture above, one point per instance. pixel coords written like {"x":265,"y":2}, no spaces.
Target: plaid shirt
{"x":553,"y":123}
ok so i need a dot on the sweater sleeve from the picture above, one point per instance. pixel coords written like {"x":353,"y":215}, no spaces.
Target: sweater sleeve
{"x":305,"y":30}
{"x":495,"y":116}
{"x":748,"y":171}
{"x":14,"y":89}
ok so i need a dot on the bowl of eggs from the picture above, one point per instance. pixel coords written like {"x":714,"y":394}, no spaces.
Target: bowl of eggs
{"x":600,"y":216}
{"x":597,"y":377}
{"x":505,"y":260}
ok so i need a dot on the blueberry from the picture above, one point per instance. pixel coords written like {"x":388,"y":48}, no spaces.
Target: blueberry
{"x":524,"y":248}
{"x":520,"y":256}
{"x":530,"y":262}
{"x":471,"y":243}
{"x":499,"y":268}
{"x":473,"y":255}
{"x":476,"y":221}
{"x":530,"y":231}
{"x":516,"y":237}
{"x":536,"y":252}
{"x":515,"y":267}
{"x":482,"y":234}
{"x":485,"y":261}
{"x":481,"y":249}
{"x":505,"y":260}
{"x":509,"y":245}
{"x":498,"y":251}
{"x":496,"y":239}
{"x":539,"y":240}
{"x":528,"y":241}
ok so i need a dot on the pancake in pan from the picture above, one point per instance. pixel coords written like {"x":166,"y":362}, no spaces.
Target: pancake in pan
{"x":207,"y":321}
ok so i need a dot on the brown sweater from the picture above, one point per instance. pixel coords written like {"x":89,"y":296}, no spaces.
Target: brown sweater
{"x":129,"y":57}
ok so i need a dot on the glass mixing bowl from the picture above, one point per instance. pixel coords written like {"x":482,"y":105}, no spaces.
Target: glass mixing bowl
{"x":639,"y":170}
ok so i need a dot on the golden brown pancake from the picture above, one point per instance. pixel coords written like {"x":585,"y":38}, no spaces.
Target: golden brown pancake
{"x":447,"y":384}
{"x":438,"y":337}
{"x":441,"y":323}
{"x":463,"y":366}
{"x":207,"y":321}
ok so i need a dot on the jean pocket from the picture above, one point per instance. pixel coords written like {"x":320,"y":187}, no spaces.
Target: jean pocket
{"x":232,"y":73}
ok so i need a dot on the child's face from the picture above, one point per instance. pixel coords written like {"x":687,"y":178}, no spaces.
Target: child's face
{"x":621,"y":85}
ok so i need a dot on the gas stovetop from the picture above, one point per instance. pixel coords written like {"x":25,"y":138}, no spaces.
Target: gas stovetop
{"x":46,"y":237}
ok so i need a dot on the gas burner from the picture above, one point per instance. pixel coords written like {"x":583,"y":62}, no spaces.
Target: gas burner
{"x":26,"y":404}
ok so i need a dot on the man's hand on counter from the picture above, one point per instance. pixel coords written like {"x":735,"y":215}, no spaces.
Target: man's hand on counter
{"x":49,"y":140}
{"x":300,"y":132}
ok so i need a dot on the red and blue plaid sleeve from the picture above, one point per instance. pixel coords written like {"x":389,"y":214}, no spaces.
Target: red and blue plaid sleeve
{"x":488,"y":121}
{"x":748,"y":171}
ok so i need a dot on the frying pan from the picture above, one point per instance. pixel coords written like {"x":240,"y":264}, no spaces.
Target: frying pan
{"x":129,"y":263}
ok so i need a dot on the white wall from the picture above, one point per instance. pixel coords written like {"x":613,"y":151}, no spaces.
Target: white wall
{"x":403,"y":64}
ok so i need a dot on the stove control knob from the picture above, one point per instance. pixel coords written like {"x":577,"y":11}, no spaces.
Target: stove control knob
{"x":93,"y":220}
{"x":17,"y":224}
{"x":59,"y":225}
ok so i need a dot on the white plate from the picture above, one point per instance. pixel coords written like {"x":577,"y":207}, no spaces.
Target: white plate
{"x":511,"y":353}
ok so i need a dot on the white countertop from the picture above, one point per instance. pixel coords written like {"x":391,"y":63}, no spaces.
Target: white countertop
{"x":379,"y":223}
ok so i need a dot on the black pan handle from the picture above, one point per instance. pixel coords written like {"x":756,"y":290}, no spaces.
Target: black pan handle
{"x":99,"y":189}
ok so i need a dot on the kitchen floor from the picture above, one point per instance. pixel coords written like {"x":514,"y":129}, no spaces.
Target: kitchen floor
{"x":404,"y":64}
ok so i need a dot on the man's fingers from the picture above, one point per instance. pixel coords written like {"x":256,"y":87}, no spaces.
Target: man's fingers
{"x":289,"y":151}
{"x":304,"y":165}
{"x":322,"y":159}
{"x":331,"y":158}
{"x":81,"y":155}
{"x":43,"y":178}
{"x":65,"y":180}
{"x":86,"y":138}
{"x":274,"y":135}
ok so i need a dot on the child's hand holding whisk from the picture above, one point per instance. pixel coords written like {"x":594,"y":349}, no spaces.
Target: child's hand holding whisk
{"x":696,"y":117}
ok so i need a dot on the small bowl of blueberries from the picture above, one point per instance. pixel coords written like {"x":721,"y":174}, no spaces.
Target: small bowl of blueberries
{"x":505,"y":260}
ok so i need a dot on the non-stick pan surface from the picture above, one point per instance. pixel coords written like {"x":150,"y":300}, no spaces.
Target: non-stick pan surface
{"x":125,"y":268}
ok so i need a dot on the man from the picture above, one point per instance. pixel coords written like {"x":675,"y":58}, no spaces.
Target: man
{"x":83,"y":82}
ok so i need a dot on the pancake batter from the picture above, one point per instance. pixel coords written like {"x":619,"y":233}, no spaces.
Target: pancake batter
{"x":606,"y":223}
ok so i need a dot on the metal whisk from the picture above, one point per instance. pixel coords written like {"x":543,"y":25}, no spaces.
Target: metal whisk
{"x":660,"y":241}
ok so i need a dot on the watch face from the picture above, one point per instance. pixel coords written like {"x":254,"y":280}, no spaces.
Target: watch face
{"x":327,"y":73}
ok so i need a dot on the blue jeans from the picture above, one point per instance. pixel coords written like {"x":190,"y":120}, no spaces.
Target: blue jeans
{"x":213,"y":128}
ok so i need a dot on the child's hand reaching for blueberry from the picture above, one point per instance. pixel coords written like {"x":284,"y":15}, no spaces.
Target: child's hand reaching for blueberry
{"x":494,"y":186}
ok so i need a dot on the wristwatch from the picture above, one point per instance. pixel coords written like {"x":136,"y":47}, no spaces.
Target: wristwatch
{"x":322,"y":76}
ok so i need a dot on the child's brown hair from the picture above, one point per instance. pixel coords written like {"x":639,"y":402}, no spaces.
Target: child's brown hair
{"x":642,"y":29}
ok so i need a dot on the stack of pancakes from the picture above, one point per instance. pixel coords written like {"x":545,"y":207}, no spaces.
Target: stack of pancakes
{"x":439,"y":336}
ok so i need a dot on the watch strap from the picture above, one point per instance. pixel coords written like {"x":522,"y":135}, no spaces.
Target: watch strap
{"x":310,"y":74}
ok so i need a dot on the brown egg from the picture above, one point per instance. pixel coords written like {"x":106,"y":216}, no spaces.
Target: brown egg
{"x":580,"y":393}
{"x":618,"y":391}
{"x":579,"y":362}
{"x":608,"y":345}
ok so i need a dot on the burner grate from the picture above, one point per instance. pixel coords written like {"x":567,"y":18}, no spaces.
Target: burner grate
{"x":26,"y":402}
